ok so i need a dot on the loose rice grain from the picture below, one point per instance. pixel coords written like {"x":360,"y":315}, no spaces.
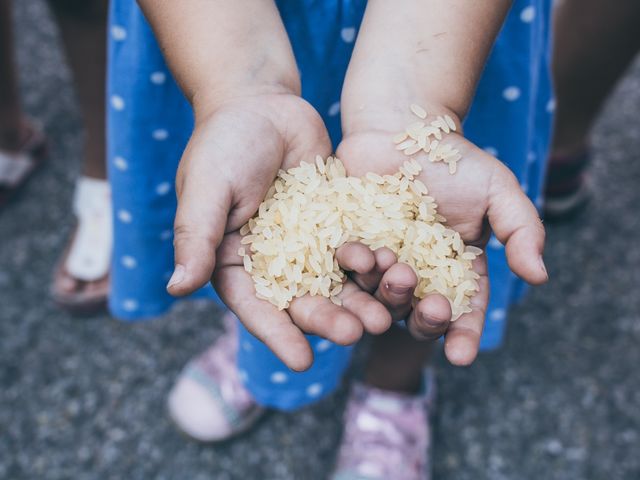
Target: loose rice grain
{"x":315,"y":209}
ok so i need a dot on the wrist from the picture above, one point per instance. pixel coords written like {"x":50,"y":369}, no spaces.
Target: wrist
{"x":392,"y":117}
{"x":209,"y":98}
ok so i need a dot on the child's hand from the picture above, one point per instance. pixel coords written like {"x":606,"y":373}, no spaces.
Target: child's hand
{"x":242,"y":80}
{"x":482,"y":194}
{"x":229,"y":164}
{"x":434,"y":57}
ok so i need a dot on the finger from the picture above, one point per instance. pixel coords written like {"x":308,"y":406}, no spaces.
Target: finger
{"x":372,"y":314}
{"x":516,"y":223}
{"x":356,"y":257}
{"x":204,"y":201}
{"x":319,"y":316}
{"x":430,"y":318}
{"x":396,"y":289}
{"x":367,"y":266}
{"x":462,"y":340}
{"x":270,"y":325}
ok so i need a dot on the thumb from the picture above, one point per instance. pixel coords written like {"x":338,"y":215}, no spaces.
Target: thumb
{"x":515,"y":222}
{"x":204,"y":201}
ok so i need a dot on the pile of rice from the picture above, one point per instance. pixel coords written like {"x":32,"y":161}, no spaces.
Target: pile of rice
{"x":310,"y":211}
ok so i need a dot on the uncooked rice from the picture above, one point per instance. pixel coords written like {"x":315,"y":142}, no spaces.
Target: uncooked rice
{"x":416,"y":139}
{"x":311,"y":210}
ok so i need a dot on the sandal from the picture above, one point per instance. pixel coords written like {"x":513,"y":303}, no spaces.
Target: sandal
{"x":209,"y":402}
{"x":567,"y":190}
{"x":387,"y":435}
{"x":81,"y":278}
{"x":17,"y":167}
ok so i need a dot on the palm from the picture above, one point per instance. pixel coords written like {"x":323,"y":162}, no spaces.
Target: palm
{"x":462,"y":198}
{"x":482,"y":192}
{"x":231,"y":161}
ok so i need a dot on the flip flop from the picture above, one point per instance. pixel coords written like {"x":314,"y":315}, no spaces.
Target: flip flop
{"x":81,"y":277}
{"x":16,"y":168}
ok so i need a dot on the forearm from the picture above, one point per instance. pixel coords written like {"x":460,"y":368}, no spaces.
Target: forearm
{"x":219,"y":49}
{"x":431,"y":50}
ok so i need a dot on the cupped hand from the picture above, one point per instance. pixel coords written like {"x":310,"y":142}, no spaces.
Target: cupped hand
{"x":231,"y":160}
{"x":483,"y":195}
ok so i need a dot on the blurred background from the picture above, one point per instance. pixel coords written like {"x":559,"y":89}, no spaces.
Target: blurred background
{"x":84,"y":397}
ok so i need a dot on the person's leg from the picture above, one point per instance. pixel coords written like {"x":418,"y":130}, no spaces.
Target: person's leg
{"x":387,"y":432}
{"x":12,"y":123}
{"x":81,"y":278}
{"x":22,"y":144}
{"x":595,"y":42}
{"x":396,"y":361}
{"x":83,"y":28}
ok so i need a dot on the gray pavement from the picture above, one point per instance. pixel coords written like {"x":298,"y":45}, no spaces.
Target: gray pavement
{"x":83,"y":398}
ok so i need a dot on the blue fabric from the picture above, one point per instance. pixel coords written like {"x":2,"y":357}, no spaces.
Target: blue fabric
{"x":149,"y":123}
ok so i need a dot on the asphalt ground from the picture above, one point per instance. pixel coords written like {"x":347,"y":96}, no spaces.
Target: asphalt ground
{"x":84,"y":398}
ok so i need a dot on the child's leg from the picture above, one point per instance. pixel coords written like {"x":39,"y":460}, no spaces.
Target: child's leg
{"x":83,"y":29}
{"x":12,"y":124}
{"x":82,"y":26}
{"x":594,"y":44}
{"x":396,"y":361}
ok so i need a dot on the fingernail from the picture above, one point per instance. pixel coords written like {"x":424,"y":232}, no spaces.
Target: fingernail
{"x":177,"y":277}
{"x":542,"y":266}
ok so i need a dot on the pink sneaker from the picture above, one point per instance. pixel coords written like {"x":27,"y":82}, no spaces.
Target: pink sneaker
{"x":386,"y":435}
{"x":209,"y":402}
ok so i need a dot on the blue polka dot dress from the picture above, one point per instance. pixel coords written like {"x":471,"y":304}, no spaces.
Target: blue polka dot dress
{"x":149,"y":123}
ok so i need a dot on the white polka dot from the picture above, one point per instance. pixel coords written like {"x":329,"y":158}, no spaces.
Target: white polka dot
{"x":120,"y":163}
{"x":511,"y":94}
{"x":497,"y":315}
{"x":323,"y":346}
{"x":158,"y":78}
{"x":247,"y":347}
{"x":314,"y":389}
{"x":495,"y":243}
{"x":528,"y":14}
{"x":243,"y":376}
{"x":163,"y":188}
{"x":531,"y":157}
{"x":551,"y":105}
{"x":117,"y":102}
{"x":160,"y":134}
{"x":128,"y":261}
{"x":491,"y":151}
{"x":130,"y":305}
{"x":348,"y":34}
{"x":278,"y":377}
{"x":524,"y":187}
{"x":166,"y":234}
{"x":334,"y":109}
{"x":124,"y":216}
{"x":118,"y":33}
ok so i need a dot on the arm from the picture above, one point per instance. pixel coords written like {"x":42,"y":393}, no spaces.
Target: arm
{"x":217,"y":49}
{"x":432,"y":52}
{"x":234,"y":63}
